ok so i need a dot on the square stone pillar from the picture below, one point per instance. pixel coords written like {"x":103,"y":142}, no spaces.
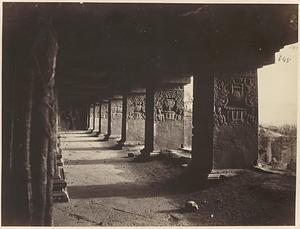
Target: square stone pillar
{"x":149,"y":122}
{"x":104,"y":116}
{"x":96,"y":118}
{"x":235,"y":120}
{"x":87,"y":117}
{"x":116,"y":117}
{"x":92,"y":120}
{"x":136,"y":118}
{"x":164,"y":123}
{"x":169,"y":118}
{"x":99,"y":118}
{"x":203,"y":124}
{"x":133,"y":119}
{"x":109,"y":114}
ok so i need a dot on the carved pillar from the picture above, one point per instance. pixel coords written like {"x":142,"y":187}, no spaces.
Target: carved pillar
{"x":203,"y":123}
{"x":136,"y":118}
{"x":236,"y":120}
{"x":108,"y":121}
{"x":149,"y":122}
{"x":96,"y":118}
{"x":116,"y":116}
{"x":169,"y":118}
{"x":104,"y":116}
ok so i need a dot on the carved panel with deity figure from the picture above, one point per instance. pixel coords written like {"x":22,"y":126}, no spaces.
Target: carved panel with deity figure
{"x":235,"y":100}
{"x":169,"y":105}
{"x":136,"y":107}
{"x":235,"y":120}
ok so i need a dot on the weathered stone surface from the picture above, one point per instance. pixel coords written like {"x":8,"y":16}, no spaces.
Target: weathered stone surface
{"x":116,"y":117}
{"x":96,"y":126}
{"x":235,"y":120}
{"x":104,"y":115}
{"x":91,"y":126}
{"x":136,"y":118}
{"x":169,"y":118}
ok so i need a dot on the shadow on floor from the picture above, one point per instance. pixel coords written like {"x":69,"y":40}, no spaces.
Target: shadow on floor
{"x":129,"y":190}
{"x":114,"y":147}
{"x":98,"y":161}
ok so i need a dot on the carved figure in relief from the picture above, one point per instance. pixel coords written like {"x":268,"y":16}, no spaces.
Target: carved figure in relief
{"x":220,"y":119}
{"x":136,"y":109}
{"x":237,"y":97}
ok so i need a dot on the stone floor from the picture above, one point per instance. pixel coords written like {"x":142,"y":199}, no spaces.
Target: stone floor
{"x":108,"y":188}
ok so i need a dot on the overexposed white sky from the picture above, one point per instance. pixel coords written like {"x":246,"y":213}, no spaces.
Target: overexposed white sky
{"x":277,"y":88}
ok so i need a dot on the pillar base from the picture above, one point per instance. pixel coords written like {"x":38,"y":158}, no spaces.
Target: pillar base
{"x":106,"y":137}
{"x":89,"y":131}
{"x":60,"y":196}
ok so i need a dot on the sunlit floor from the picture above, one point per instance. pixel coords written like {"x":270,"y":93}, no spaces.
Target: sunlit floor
{"x":108,"y":188}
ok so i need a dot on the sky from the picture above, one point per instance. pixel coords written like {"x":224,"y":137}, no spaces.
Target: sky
{"x":277,"y":88}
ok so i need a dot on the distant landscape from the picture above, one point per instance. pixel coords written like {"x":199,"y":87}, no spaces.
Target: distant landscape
{"x":277,"y":146}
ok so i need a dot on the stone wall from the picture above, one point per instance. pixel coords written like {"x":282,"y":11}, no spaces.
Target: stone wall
{"x":235,"y":120}
{"x":135,"y":127}
{"x":72,"y":117}
{"x":104,"y":115}
{"x":116,"y":117}
{"x":169,"y":118}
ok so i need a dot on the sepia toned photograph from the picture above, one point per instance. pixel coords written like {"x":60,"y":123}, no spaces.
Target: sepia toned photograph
{"x":149,"y":114}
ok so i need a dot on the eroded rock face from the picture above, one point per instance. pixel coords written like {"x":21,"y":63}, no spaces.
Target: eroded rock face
{"x":235,"y":120}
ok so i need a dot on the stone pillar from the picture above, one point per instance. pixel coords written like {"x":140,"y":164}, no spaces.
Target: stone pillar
{"x":109,"y":113}
{"x":104,"y":116}
{"x":91,"y":121}
{"x":164,"y":124}
{"x":235,"y":120}
{"x":149,"y":122}
{"x":96,"y":118}
{"x":59,"y":183}
{"x":169,"y":118}
{"x":88,"y":117}
{"x":124,"y":121}
{"x":136,"y":114}
{"x":203,"y":124}
{"x":116,"y":116}
{"x":99,"y":118}
{"x":133,"y":118}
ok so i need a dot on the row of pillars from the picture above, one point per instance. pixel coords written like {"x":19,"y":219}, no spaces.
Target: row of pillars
{"x":145,"y":124}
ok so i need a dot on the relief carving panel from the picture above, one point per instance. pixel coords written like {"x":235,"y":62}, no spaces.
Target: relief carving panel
{"x":104,"y":111}
{"x":235,"y":100}
{"x":116,"y":109}
{"x":136,"y":107}
{"x":169,"y":105}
